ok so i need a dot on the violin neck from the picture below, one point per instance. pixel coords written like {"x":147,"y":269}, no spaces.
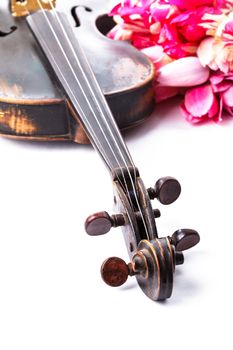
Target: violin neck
{"x":59,"y":43}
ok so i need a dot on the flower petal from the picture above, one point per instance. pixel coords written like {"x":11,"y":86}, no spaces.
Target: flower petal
{"x":155,"y":53}
{"x":190,"y":118}
{"x":214,"y":110}
{"x":227,"y":97}
{"x":186,"y":72}
{"x":199,"y":100}
{"x":205,"y":51}
{"x":187,"y":4}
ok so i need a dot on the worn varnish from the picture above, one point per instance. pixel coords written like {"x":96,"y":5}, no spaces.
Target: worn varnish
{"x":124,"y":74}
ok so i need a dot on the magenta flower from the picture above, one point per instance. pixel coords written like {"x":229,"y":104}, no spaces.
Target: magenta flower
{"x":190,"y":43}
{"x":173,"y":24}
{"x":209,"y":101}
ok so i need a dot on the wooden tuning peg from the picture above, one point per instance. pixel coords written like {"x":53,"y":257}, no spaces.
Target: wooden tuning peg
{"x":184,"y":239}
{"x":115,"y":271}
{"x":179,"y":258}
{"x":101,"y":223}
{"x":166,"y":190}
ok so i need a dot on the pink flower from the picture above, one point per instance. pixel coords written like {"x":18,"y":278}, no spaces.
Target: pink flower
{"x":210,"y":100}
{"x":216,"y":51}
{"x":200,"y":104}
{"x":216,"y":54}
{"x":190,"y":43}
{"x":173,"y":24}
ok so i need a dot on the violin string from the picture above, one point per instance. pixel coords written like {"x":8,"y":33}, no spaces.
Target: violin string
{"x":99,"y":145}
{"x":104,"y":119}
{"x":101,"y":111}
{"x":121,"y":154}
{"x":86,"y":120}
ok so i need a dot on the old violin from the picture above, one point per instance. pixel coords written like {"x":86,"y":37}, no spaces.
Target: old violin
{"x":32,"y":105}
{"x":152,"y":259}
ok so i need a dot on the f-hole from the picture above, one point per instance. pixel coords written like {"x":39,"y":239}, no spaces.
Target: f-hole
{"x":75,"y":16}
{"x":3,"y":34}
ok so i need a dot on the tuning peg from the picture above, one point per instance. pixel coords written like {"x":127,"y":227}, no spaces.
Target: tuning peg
{"x":100,"y":223}
{"x":179,"y":258}
{"x":154,"y":258}
{"x":166,"y":190}
{"x":184,"y":239}
{"x":115,"y":271}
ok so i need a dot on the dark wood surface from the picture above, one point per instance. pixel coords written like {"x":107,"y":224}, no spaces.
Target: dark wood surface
{"x":31,"y":104}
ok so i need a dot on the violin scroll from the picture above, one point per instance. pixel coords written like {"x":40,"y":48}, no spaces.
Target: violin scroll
{"x":153,"y":260}
{"x":153,"y":265}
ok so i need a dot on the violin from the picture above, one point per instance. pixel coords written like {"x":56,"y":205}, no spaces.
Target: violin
{"x":32,"y":105}
{"x":153,"y":259}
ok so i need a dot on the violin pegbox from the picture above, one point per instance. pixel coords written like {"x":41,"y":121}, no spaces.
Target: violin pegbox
{"x":153,"y":259}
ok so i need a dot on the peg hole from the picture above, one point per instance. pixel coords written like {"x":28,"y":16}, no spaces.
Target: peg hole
{"x":131,"y":247}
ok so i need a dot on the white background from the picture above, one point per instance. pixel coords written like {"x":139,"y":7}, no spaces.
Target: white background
{"x":51,"y":292}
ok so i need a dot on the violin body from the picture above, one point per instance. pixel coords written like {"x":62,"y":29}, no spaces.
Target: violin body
{"x":32,"y":106}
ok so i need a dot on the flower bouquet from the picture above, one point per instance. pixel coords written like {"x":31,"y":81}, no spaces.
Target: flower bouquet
{"x":191,"y":45}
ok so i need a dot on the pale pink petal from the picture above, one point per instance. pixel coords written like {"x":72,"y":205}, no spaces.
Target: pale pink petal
{"x":186,"y":72}
{"x":198,"y":101}
{"x":157,"y":56}
{"x":205,"y":51}
{"x":221,"y":58}
{"x":155,"y":53}
{"x":189,"y":117}
{"x":229,"y":27}
{"x":227,"y":97}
